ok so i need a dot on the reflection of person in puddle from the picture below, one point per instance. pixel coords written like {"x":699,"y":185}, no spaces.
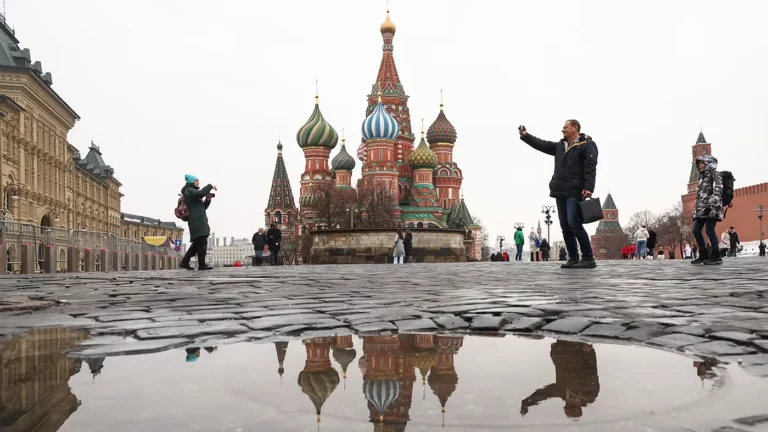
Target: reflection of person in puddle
{"x":704,"y":369}
{"x":576,"y":380}
{"x":193,"y":353}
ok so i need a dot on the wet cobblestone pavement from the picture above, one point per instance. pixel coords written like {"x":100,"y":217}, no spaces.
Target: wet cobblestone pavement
{"x":718,"y":315}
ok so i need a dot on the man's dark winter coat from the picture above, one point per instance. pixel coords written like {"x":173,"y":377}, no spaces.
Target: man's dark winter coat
{"x":198,"y":219}
{"x":575,"y":165}
{"x":734,"y":239}
{"x":651,"y":244}
{"x":259,"y":241}
{"x":274,"y":237}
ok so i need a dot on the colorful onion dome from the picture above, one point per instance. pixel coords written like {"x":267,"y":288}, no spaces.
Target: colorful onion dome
{"x":317,"y":132}
{"x":380,"y":124}
{"x":423,"y":156}
{"x":343,"y":160}
{"x":381,"y":394}
{"x":441,"y":130}
{"x":362,"y":155}
{"x":388,"y":26}
{"x":309,"y":200}
{"x":344,"y":358}
{"x":318,"y":386}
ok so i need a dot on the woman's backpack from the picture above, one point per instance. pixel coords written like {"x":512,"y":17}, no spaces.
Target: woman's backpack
{"x":182,"y":212}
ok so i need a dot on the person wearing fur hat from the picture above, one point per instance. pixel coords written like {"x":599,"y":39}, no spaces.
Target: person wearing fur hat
{"x":197,"y":201}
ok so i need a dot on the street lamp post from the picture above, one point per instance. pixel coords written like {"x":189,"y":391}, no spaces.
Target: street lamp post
{"x":352,"y":209}
{"x":547,"y":210}
{"x":501,"y":241}
{"x":760,"y":210}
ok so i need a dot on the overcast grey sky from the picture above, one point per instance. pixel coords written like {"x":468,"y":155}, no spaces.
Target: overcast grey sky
{"x":186,"y":86}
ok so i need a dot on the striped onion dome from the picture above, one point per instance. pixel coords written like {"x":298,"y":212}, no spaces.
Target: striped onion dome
{"x":345,"y":358}
{"x":343,"y":160}
{"x":423,"y":156}
{"x":317,"y":132}
{"x":380,"y":124}
{"x":441,"y":130}
{"x":381,"y":393}
{"x":309,"y":200}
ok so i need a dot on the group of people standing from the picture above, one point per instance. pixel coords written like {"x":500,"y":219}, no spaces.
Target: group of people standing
{"x":403,"y":252}
{"x":644,"y":246}
{"x":270,"y":240}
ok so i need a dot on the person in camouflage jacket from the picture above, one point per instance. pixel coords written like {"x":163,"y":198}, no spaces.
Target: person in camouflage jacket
{"x":709,"y":209}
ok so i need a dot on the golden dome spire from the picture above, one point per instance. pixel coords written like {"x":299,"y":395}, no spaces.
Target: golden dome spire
{"x":379,"y":95}
{"x":388,"y":26}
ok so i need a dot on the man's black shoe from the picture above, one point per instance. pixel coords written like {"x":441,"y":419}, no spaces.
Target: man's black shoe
{"x":714,"y":260}
{"x":585,"y":264}
{"x":703,"y":256}
{"x":205,"y":268}
{"x":569,"y":264}
{"x":185,"y":265}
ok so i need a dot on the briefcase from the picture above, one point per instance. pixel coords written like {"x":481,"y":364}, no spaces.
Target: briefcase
{"x":591,"y":210}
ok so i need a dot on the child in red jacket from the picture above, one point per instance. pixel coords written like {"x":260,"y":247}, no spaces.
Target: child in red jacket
{"x":625,"y":251}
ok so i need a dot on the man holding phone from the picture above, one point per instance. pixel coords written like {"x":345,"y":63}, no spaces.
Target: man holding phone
{"x":573,"y":181}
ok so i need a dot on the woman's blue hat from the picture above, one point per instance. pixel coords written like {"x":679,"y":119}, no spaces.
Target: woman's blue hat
{"x":189,"y":178}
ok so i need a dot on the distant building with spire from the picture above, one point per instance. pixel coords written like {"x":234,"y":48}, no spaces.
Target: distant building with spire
{"x":609,"y":237}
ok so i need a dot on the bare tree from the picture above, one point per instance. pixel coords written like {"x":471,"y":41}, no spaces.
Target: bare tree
{"x":332,"y":207}
{"x":643,"y":217}
{"x":376,"y":207}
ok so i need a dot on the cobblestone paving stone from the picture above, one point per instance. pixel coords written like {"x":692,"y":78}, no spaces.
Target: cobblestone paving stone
{"x":719,"y":312}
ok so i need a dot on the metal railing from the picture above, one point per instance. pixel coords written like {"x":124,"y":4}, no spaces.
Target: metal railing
{"x":14,"y":235}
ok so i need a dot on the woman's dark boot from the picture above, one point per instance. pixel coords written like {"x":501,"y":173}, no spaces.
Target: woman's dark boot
{"x":714,"y":259}
{"x":703,"y":256}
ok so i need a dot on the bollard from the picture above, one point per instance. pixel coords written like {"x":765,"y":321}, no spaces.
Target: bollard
{"x":4,"y":257}
{"x":104,"y":257}
{"x":116,"y":261}
{"x":73,"y":259}
{"x":89,"y":261}
{"x":128,"y":262}
{"x":28,"y":259}
{"x":49,"y":259}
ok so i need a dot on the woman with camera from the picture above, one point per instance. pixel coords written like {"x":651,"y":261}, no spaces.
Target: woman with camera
{"x":197,"y":201}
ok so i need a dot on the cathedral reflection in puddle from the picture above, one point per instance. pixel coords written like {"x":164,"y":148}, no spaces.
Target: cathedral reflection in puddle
{"x":504,"y":381}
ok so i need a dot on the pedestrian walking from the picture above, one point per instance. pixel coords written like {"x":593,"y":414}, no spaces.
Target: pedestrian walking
{"x":399,"y":249}
{"x":688,"y":252}
{"x":408,"y":246}
{"x":545,"y":250}
{"x":625,"y":251}
{"x":197,"y":201}
{"x":661,"y":253}
{"x":533,"y":245}
{"x":563,"y":254}
{"x":725,"y":244}
{"x":641,"y":237}
{"x":573,"y":181}
{"x":274,"y":239}
{"x":761,"y":248}
{"x":708,"y":210}
{"x":519,"y":242}
{"x":734,"y":245}
{"x":632,"y":250}
{"x":651,"y":244}
{"x":259,"y":241}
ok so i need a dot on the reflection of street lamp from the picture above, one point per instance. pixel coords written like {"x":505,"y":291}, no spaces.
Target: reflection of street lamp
{"x":760,"y":210}
{"x":547,"y":209}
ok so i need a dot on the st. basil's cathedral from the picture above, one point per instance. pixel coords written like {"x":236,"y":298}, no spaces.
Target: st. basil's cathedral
{"x":425,"y":183}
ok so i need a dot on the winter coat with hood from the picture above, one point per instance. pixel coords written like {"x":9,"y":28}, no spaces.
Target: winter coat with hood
{"x":399,"y":247}
{"x":198,"y":219}
{"x":709,"y":198}
{"x":408,"y":244}
{"x":641,"y":234}
{"x":575,"y":164}
{"x":725,"y":240}
{"x":651,"y":239}
{"x":519,"y":237}
{"x":259,"y":241}
{"x":274,"y":237}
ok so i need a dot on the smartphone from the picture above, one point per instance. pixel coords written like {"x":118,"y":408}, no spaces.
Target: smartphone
{"x":520,"y":128}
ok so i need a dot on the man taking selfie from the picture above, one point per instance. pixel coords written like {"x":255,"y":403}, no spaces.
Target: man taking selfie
{"x":573,"y":181}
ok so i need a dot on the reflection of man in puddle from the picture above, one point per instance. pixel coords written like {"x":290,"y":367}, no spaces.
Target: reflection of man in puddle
{"x":576,"y":380}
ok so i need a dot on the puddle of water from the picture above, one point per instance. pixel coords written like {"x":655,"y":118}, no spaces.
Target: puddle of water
{"x":426,"y":382}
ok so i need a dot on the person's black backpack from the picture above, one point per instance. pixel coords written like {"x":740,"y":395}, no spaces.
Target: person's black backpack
{"x":728,"y":190}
